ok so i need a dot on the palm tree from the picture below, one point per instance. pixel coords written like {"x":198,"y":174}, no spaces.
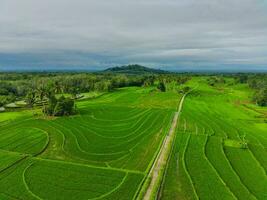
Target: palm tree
{"x":31,"y":97}
{"x":42,"y":93}
{"x":58,"y":88}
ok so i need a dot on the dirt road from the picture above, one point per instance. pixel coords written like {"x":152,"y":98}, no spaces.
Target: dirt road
{"x":163,"y":155}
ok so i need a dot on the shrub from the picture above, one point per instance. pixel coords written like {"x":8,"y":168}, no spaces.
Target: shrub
{"x":260,"y":97}
{"x":60,"y":107}
{"x":186,"y":89}
{"x":161,"y":86}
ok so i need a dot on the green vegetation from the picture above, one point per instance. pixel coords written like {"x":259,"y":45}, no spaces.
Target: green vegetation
{"x":36,"y":88}
{"x":60,"y":107}
{"x":102,"y":152}
{"x":260,"y":97}
{"x":161,"y":86}
{"x":134,"y":69}
{"x":107,"y":129}
{"x":219,"y":153}
{"x":259,"y":84}
{"x":75,"y":181}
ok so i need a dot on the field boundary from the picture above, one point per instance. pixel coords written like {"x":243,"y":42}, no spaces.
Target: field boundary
{"x":87,"y":165}
{"x":143,"y":185}
{"x":153,"y":179}
{"x":14,"y":163}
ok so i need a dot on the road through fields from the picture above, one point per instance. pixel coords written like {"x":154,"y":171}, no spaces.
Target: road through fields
{"x":162,"y":156}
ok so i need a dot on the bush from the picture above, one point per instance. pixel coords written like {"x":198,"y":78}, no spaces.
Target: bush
{"x":60,"y":107}
{"x":212,"y":81}
{"x":6,"y":99}
{"x":260,"y":97}
{"x":2,"y":101}
{"x":185,"y":89}
{"x":161,"y":86}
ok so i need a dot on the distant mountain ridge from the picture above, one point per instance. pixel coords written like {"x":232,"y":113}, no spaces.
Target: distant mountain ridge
{"x":135,"y":69}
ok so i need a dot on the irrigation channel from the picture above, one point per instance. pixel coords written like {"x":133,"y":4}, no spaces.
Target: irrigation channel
{"x":160,"y":162}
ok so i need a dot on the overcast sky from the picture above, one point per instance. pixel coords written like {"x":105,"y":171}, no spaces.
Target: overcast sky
{"x":167,"y":34}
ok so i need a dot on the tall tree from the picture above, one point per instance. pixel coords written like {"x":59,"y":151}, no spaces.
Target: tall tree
{"x":31,"y":97}
{"x":161,"y":86}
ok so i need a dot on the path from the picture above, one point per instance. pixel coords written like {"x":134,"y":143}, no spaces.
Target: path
{"x":162,"y":157}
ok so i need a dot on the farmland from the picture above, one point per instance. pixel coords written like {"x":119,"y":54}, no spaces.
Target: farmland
{"x":96,"y":154}
{"x":109,"y":147}
{"x":208,"y":160}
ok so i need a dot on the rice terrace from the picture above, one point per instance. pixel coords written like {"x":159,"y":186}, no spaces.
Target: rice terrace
{"x":153,"y":136}
{"x":133,"y":100}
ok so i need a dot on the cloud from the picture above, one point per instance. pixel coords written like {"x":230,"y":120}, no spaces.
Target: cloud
{"x":159,"y":33}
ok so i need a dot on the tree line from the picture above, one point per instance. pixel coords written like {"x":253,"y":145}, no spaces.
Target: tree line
{"x":258,"y":83}
{"x":41,"y":88}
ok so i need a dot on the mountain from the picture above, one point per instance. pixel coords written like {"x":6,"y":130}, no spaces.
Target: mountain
{"x":134,"y":69}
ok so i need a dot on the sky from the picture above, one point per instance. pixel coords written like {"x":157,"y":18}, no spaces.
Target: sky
{"x":178,"y":35}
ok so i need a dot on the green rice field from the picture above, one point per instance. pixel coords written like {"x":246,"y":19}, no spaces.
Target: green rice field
{"x":208,"y":160}
{"x":103,"y":152}
{"x":107,"y":149}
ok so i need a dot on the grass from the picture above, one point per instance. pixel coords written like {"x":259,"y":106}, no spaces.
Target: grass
{"x":107,"y":149}
{"x":212,"y":164}
{"x":178,"y":183}
{"x":23,"y":139}
{"x":11,"y":116}
{"x":103,"y":152}
{"x":74,"y":181}
{"x":8,"y":159}
{"x":83,"y":95}
{"x":250,"y":171}
{"x":207,"y":182}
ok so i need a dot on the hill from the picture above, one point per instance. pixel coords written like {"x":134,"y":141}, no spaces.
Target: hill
{"x":135,"y":69}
